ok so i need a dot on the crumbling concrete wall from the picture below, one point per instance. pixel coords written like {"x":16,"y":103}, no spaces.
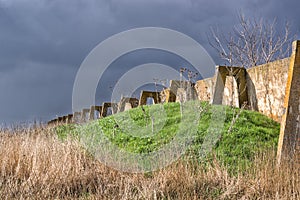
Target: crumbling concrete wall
{"x":149,"y":94}
{"x":106,"y":106}
{"x":230,"y":95}
{"x":222,"y":74}
{"x":85,"y":115}
{"x":178,"y":91}
{"x":205,"y":89}
{"x":266,"y":87}
{"x":167,"y":95}
{"x":272,"y":89}
{"x":127,"y":103}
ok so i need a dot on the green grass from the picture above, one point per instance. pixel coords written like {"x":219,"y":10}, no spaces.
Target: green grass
{"x":132,"y":131}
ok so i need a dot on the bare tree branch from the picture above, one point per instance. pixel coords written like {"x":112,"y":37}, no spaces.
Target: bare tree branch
{"x":252,"y":42}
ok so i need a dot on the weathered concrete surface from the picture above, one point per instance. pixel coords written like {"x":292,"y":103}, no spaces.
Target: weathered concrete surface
{"x":231,"y":95}
{"x":76,"y":117}
{"x":69,"y":119}
{"x":98,"y":109}
{"x":85,"y":115}
{"x":92,"y":113}
{"x":167,"y":96}
{"x":205,"y":89}
{"x":60,"y":120}
{"x":175,"y":84}
{"x":106,"y":105}
{"x":239,"y":74}
{"x":181,"y":95}
{"x":65,"y":118}
{"x":149,"y":94}
{"x":127,"y":106}
{"x":179,"y":91}
{"x":95,"y":112}
{"x":127,"y":103}
{"x":266,"y":87}
{"x":186,"y":91}
{"x":289,"y":139}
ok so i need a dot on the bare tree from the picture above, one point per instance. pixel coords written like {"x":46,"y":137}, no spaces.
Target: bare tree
{"x":252,"y":42}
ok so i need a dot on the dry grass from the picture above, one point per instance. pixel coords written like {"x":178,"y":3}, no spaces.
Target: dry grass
{"x":36,"y":165}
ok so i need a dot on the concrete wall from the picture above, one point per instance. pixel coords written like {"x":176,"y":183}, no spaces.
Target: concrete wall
{"x":265,"y":87}
{"x":205,"y":91}
{"x":230,"y":95}
{"x":272,"y":89}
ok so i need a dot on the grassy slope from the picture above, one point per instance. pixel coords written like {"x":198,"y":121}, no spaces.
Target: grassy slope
{"x":251,"y":133}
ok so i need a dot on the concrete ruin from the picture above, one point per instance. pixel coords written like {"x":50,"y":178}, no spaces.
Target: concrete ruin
{"x":85,"y":115}
{"x":76,"y":117}
{"x":149,"y":94}
{"x":95,"y":112}
{"x":106,"y":106}
{"x":271,"y":89}
{"x":127,"y":103}
{"x":239,"y":74}
{"x":167,"y":96}
{"x":179,"y":91}
{"x":69,"y":119}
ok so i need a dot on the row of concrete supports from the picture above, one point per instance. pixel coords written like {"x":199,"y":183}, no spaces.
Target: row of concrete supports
{"x":177,"y":88}
{"x":289,"y":140}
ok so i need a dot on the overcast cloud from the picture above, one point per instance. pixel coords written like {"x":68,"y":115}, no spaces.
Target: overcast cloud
{"x":43,"y":42}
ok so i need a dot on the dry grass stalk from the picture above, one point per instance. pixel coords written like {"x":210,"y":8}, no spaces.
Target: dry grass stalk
{"x":36,"y":165}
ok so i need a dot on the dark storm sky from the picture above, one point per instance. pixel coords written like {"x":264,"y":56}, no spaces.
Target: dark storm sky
{"x":43,"y":42}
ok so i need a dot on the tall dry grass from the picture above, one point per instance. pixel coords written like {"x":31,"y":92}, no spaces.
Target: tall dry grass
{"x":36,"y":165}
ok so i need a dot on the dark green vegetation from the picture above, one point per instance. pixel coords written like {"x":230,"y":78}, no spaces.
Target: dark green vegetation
{"x":251,"y":133}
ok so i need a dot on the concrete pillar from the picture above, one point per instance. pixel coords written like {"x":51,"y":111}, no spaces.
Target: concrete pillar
{"x":107,"y":105}
{"x":95,"y":110}
{"x":181,"y":95}
{"x":146,"y":94}
{"x":92,"y":113}
{"x":59,"y":120}
{"x":168,"y":96}
{"x":239,"y":73}
{"x":127,"y":103}
{"x":240,"y":77}
{"x":84,"y":114}
{"x":289,"y":139}
{"x":64,"y":119}
{"x":127,"y":106}
{"x":69,"y":119}
{"x":99,"y":110}
{"x":76,"y":117}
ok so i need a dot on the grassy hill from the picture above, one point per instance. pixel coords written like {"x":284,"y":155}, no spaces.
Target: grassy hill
{"x":37,"y":164}
{"x":148,"y":128}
